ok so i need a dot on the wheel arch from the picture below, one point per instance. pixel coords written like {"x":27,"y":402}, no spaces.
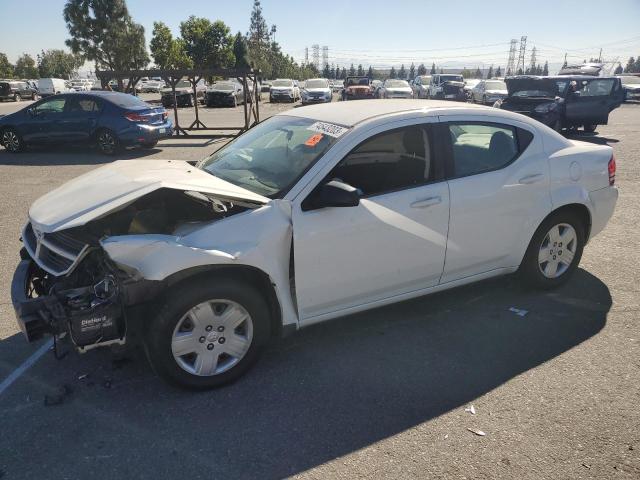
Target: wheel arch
{"x":243,"y":273}
{"x":580,"y":209}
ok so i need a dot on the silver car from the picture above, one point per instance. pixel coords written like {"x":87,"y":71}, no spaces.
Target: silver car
{"x":488,"y":92}
{"x":392,"y":88}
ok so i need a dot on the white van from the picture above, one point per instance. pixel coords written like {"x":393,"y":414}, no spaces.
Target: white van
{"x":51,"y":86}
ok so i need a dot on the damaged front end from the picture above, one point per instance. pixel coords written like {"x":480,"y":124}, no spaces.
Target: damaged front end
{"x":66,"y":284}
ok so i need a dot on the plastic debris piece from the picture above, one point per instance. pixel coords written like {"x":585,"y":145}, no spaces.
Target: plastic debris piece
{"x":83,"y":376}
{"x":446,"y":436}
{"x":518,"y":311}
{"x":471,"y":410}
{"x":480,"y":433}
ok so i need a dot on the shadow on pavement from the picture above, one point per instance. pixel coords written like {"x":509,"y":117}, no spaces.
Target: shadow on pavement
{"x":68,"y":155}
{"x":323,"y":393}
{"x":591,"y":138}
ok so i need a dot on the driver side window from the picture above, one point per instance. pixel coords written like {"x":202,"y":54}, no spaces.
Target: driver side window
{"x":393,"y":160}
{"x":55,"y":105}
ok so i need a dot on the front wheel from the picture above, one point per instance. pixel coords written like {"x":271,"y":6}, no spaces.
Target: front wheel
{"x":208,"y":334}
{"x":12,"y":141}
{"x":555,"y":251}
{"x":590,"y":128}
{"x":17,"y":97}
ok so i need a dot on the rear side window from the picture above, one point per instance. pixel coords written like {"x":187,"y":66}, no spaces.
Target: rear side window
{"x":85,"y":104}
{"x":483,"y":147}
{"x":127,"y":101}
{"x":597,"y":88}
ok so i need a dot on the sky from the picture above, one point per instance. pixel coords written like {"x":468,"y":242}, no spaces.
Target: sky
{"x":380,"y":33}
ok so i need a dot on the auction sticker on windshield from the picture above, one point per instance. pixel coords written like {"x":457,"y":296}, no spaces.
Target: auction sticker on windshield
{"x":328,"y":129}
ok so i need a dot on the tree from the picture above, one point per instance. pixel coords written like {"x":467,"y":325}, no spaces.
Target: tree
{"x":498,"y":71}
{"x":422,"y":70}
{"x":545,"y":69}
{"x":326,"y":71}
{"x":103,"y":31}
{"x":6,"y":69}
{"x":490,"y":72}
{"x":412,"y":71}
{"x":332,"y":72}
{"x":402,"y":73}
{"x":360,"y":71}
{"x":631,"y":66}
{"x":441,"y":70}
{"x":370,"y":73}
{"x":240,"y":51}
{"x":618,"y":69}
{"x":25,"y":67}
{"x":519,"y":72}
{"x":392,"y":73}
{"x":58,"y":64}
{"x":207,"y":44}
{"x":166,"y":51}
{"x":433,"y":68}
{"x":352,"y":70}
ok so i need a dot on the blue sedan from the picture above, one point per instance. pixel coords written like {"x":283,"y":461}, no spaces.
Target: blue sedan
{"x":111,"y":120}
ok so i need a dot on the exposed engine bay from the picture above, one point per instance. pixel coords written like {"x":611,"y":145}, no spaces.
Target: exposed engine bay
{"x":69,"y":286}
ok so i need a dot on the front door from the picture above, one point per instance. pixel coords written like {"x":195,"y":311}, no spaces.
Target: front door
{"x":391,"y":244}
{"x":590,"y":103}
{"x":44,"y":117}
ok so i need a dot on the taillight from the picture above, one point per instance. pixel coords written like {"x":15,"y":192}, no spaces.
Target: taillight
{"x":612,"y":170}
{"x":136,"y":117}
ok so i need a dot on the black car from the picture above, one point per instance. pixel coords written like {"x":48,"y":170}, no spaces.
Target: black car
{"x":108,"y":119}
{"x":17,"y":90}
{"x":564,"y":101}
{"x":226,"y":93}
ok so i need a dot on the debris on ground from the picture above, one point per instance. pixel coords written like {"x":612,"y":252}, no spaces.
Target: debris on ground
{"x":83,"y":376}
{"x":471,"y":410}
{"x":586,"y":466}
{"x":480,"y":433}
{"x":518,"y":311}
{"x":58,"y":397}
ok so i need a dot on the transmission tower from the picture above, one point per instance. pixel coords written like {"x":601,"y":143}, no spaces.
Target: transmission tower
{"x":306,"y":55}
{"x":521,"y":55}
{"x":325,"y":57}
{"x":315,"y":55}
{"x":532,"y":67}
{"x":511,"y":63}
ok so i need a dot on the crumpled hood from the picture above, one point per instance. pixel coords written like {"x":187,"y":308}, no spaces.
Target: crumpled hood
{"x":109,"y":188}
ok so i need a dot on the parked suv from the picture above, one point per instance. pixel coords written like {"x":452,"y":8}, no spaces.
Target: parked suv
{"x":421,"y":86}
{"x":357,"y":88}
{"x":564,"y":101}
{"x":184,"y":94}
{"x":447,"y":87}
{"x":17,"y":90}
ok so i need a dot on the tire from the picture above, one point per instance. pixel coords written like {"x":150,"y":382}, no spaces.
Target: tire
{"x":17,"y":97}
{"x":235,"y":102}
{"x":191,"y":101}
{"x":590,"y":128}
{"x":34,"y":96}
{"x":557,"y":126}
{"x":12,"y":140}
{"x":200,"y":364}
{"x":107,"y":142}
{"x":543,"y":266}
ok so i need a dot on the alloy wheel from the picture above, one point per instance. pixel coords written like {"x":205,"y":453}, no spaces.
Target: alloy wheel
{"x":107,"y":142}
{"x":212,"y":337}
{"x":11,"y":141}
{"x":557,"y":250}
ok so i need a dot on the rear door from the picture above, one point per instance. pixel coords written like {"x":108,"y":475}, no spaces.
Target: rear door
{"x":498,"y":178}
{"x":79,"y":119}
{"x":591,"y":101}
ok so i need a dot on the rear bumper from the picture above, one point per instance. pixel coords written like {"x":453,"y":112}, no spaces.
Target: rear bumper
{"x":603,"y":204}
{"x":140,"y":134}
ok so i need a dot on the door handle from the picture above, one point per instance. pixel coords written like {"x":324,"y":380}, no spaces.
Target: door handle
{"x":426,"y":202}
{"x":536,"y":177}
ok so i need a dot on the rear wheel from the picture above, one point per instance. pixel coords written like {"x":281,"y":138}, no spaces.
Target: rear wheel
{"x":208,"y":334}
{"x":12,"y":140}
{"x":555,"y":251}
{"x":590,"y":128}
{"x":107,"y":142}
{"x":17,"y":97}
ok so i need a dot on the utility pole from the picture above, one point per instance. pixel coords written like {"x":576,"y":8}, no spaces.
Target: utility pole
{"x":511,"y":62}
{"x":306,"y":55}
{"x":532,"y":67}
{"x":523,"y":52}
{"x":600,"y":56}
{"x":325,"y":57}
{"x":315,"y":55}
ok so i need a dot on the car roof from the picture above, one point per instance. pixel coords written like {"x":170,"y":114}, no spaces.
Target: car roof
{"x":357,"y":111}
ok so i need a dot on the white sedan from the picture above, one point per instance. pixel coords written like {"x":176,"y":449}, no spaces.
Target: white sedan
{"x":313,"y":214}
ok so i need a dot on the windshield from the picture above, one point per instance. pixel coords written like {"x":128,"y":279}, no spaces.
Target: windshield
{"x":272,"y":156}
{"x":532,"y":93}
{"x":283,"y":83}
{"x":451,"y":78}
{"x":357,"y":81}
{"x":396,"y":84}
{"x":495,"y":85}
{"x":630,"y":80}
{"x":183,"y":83}
{"x":224,"y":86}
{"x":316,"y":84}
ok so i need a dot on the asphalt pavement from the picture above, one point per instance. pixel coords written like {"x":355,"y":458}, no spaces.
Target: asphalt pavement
{"x":381,"y":394}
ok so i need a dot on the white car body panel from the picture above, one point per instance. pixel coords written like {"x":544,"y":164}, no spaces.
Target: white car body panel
{"x":351,"y":259}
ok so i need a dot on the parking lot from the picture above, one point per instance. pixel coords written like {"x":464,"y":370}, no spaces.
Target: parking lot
{"x":381,"y":394}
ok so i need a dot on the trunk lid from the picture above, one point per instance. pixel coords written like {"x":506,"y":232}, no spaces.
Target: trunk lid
{"x":114,"y":186}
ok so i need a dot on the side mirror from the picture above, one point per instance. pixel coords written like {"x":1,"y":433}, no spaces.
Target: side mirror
{"x":335,"y":194}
